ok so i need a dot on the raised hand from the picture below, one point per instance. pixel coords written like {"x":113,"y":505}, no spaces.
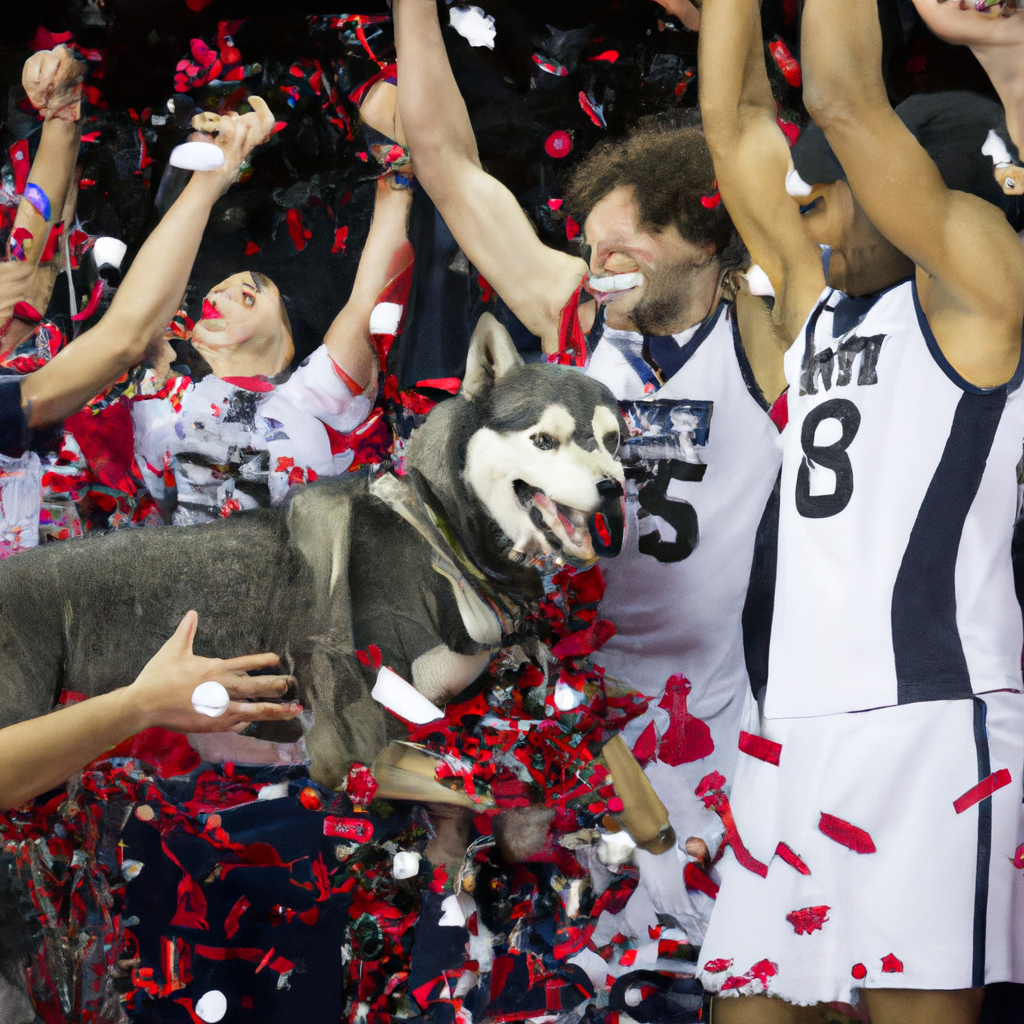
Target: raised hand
{"x":163,"y":690}
{"x":236,"y":134}
{"x":52,"y":80}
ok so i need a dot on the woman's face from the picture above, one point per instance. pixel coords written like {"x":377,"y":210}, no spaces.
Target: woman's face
{"x":242,"y":318}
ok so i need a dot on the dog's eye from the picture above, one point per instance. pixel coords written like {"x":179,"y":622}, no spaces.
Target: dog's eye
{"x":545,"y":442}
{"x":611,"y":441}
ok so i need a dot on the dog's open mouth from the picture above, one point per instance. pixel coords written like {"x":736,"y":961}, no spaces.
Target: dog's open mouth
{"x":564,"y":527}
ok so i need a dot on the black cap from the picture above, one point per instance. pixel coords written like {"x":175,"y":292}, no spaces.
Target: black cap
{"x":813,"y":157}
{"x":951,"y":127}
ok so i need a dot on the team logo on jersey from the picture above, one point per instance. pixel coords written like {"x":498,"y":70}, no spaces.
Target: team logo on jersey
{"x":835,"y":365}
{"x":664,"y":438}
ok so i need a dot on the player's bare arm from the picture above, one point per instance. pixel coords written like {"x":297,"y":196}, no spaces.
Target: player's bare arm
{"x":752,"y":158}
{"x":976,"y":317}
{"x":495,"y":234}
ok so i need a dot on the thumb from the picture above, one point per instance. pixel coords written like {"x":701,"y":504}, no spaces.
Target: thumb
{"x":185,"y":634}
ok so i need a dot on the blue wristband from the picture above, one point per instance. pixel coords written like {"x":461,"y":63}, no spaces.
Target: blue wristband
{"x":38,"y":198}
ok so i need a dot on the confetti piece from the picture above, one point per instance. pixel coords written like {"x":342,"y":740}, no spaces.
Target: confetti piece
{"x":842,"y":832}
{"x":759,"y":747}
{"x":983,"y":789}
{"x":809,"y":919}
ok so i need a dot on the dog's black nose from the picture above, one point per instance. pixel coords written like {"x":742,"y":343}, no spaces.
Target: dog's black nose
{"x":607,"y":523}
{"x":609,"y":487}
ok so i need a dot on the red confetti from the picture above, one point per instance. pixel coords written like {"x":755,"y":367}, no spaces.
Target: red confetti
{"x":557,"y":145}
{"x":609,"y":55}
{"x":790,"y":130}
{"x":44,"y":39}
{"x":717,"y":966}
{"x":710,"y":790}
{"x":20,"y":165}
{"x":594,"y":111}
{"x":759,"y":747}
{"x":615,"y":805}
{"x":358,"y":829}
{"x":859,"y":971}
{"x":761,"y":971}
{"x":695,"y":878}
{"x":310,"y":799}
{"x":983,"y":789}
{"x":807,"y":920}
{"x":584,"y":641}
{"x":687,"y":738}
{"x":251,"y":248}
{"x":787,"y":63}
{"x":555,"y":204}
{"x":191,"y":912}
{"x":628,"y":958}
{"x":645,"y":746}
{"x":233,"y":918}
{"x":1018,"y":857}
{"x":340,"y":239}
{"x":711,"y":201}
{"x":360,"y":785}
{"x":891,"y":965}
{"x":845,"y":834}
{"x":92,"y":305}
{"x":572,"y":228}
{"x":785,"y":853}
{"x":449,"y":384}
{"x":299,"y":234}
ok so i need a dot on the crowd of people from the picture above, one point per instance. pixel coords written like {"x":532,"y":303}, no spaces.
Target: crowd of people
{"x":806,"y":292}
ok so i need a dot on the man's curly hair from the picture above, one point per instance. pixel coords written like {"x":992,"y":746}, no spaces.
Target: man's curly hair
{"x":670,"y":171}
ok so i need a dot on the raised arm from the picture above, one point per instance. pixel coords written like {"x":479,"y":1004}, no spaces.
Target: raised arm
{"x":971,"y":263}
{"x":481,"y":213}
{"x":752,"y":157}
{"x":348,"y":338}
{"x":151,"y":290}
{"x":996,"y":38}
{"x":51,"y":79}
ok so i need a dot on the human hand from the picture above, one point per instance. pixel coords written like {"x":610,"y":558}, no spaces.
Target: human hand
{"x":162,"y":692}
{"x":237,"y":135}
{"x":52,"y":80}
{"x":1011,"y":179}
{"x":687,"y":11}
{"x":962,"y":23}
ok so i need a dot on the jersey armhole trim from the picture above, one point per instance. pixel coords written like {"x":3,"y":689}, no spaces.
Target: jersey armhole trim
{"x":744,"y":363}
{"x":947,"y":368}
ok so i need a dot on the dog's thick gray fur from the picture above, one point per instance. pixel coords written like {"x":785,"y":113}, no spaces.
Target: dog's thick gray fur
{"x":335,"y":571}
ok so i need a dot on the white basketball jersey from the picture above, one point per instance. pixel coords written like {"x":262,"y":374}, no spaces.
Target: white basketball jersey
{"x":676,"y":592}
{"x":898,"y":499}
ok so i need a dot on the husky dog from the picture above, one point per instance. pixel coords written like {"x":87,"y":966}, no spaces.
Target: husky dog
{"x":434,"y":568}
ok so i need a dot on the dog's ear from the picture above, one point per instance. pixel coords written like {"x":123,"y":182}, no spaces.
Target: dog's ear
{"x":491,"y":356}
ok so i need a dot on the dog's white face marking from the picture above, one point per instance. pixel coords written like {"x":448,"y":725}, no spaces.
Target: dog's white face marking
{"x":539,"y":485}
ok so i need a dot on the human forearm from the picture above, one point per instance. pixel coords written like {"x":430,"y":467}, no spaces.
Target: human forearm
{"x":145,"y":302}
{"x":37,"y":755}
{"x":348,"y":338}
{"x":733,"y":80}
{"x":841,"y":56}
{"x":1004,"y":66}
{"x":437,"y":126}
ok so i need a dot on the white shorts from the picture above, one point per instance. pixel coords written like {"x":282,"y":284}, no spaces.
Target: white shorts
{"x":913,"y":876}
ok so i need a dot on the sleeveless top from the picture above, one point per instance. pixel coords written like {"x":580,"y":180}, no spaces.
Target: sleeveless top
{"x":898,"y":499}
{"x":701,"y":465}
